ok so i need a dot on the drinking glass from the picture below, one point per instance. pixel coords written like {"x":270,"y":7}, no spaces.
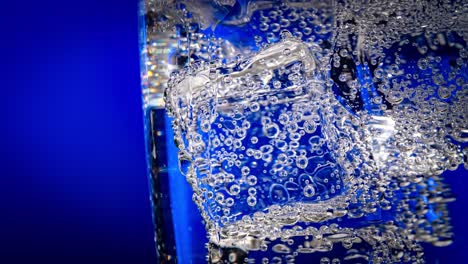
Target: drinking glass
{"x":303,"y":131}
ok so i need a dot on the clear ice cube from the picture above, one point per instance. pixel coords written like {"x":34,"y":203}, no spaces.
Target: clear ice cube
{"x":263,"y":136}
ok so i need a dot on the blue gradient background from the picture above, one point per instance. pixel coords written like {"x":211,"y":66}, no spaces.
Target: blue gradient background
{"x":73,"y":185}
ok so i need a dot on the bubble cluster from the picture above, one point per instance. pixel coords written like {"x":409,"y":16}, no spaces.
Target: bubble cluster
{"x":326,"y":127}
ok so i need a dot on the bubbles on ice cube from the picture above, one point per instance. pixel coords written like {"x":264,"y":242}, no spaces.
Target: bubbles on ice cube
{"x":266,"y":148}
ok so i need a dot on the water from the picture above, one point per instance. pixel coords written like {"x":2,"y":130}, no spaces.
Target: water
{"x":304,"y":131}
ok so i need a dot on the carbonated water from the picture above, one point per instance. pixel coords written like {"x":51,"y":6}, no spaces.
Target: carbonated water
{"x":307,"y":131}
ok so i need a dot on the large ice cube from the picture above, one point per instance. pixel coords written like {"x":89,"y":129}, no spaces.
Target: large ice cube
{"x":262,"y":132}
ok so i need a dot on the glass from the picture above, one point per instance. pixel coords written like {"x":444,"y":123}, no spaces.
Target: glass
{"x":303,"y":131}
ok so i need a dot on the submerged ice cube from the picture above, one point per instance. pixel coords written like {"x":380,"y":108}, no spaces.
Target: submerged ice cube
{"x":262,"y":132}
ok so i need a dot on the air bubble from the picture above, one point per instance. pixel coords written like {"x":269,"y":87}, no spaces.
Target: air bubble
{"x":271,"y":130}
{"x":251,"y":180}
{"x":252,"y":191}
{"x":229,"y":202}
{"x":285,"y":34}
{"x":234,"y":189}
{"x":254,"y":107}
{"x":264,"y":27}
{"x":344,"y":77}
{"x":251,"y":201}
{"x":395,"y":97}
{"x":310,"y":126}
{"x":281,"y":249}
{"x":232,"y":257}
{"x":422,"y":64}
{"x":277,"y":84}
{"x":205,"y":126}
{"x":302,"y":162}
{"x":283,"y":119}
{"x":336,"y":261}
{"x":309,"y":190}
{"x":444,"y":92}
{"x":254,"y":140}
{"x":343,"y":53}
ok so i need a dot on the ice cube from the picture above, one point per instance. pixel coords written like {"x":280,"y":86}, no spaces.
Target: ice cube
{"x":262,"y":132}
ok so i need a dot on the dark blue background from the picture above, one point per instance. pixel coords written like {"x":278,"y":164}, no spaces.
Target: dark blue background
{"x":73,"y":173}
